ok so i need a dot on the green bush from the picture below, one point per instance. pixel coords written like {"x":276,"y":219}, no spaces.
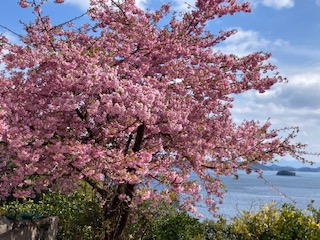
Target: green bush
{"x":218,"y":230}
{"x":164,"y":222}
{"x":180,"y":226}
{"x":80,"y":213}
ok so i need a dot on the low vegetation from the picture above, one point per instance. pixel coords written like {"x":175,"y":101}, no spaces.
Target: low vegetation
{"x":80,"y":218}
{"x":79,"y":213}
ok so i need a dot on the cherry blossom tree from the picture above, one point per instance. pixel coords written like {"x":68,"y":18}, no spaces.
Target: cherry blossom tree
{"x":126,"y":103}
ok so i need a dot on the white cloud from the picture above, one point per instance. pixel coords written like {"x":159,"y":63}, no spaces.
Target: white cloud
{"x":307,"y":78}
{"x":11,"y":37}
{"x":300,"y":95}
{"x":142,"y":3}
{"x":83,"y":4}
{"x":183,"y":5}
{"x":278,"y":4}
{"x":281,"y":43}
{"x":243,"y":43}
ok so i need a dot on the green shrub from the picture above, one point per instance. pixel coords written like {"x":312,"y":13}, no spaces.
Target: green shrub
{"x":180,"y":226}
{"x":80,"y":214}
{"x":218,"y":230}
{"x":164,"y":222}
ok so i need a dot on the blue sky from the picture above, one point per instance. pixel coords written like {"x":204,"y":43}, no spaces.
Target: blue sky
{"x":289,"y":29}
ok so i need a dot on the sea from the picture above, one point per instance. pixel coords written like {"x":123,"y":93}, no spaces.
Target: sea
{"x":249,"y":192}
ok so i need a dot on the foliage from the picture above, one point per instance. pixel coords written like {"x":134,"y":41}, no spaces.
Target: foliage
{"x":80,"y":214}
{"x":162,"y":222}
{"x":285,"y":223}
{"x":146,"y":219}
{"x":269,"y":223}
{"x":219,"y":230}
{"x":80,"y":218}
{"x":129,"y":100}
{"x":179,"y":226}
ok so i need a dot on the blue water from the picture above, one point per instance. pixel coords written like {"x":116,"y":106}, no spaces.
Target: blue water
{"x":250,"y":192}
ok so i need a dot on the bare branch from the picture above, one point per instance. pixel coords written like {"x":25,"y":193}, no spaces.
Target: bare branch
{"x":69,"y":21}
{"x":8,"y":29}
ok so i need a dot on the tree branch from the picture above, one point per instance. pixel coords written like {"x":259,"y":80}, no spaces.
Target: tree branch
{"x":139,"y":138}
{"x":8,"y":29}
{"x":93,"y":184}
{"x":69,"y":21}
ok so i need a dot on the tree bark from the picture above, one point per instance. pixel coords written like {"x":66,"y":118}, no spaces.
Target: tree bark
{"x":119,"y":211}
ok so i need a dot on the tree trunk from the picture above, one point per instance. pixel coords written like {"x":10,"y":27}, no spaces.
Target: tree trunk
{"x":118,"y":213}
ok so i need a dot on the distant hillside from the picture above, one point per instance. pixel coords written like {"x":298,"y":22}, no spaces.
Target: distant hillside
{"x":275,"y":167}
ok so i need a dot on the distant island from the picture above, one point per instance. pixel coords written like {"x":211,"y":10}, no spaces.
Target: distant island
{"x":286,"y":173}
{"x":275,"y":167}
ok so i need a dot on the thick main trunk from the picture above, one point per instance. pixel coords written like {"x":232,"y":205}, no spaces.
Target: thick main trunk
{"x":118,"y":213}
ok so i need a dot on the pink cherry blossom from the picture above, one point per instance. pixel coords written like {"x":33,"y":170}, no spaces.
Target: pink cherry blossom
{"x":24,"y":4}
